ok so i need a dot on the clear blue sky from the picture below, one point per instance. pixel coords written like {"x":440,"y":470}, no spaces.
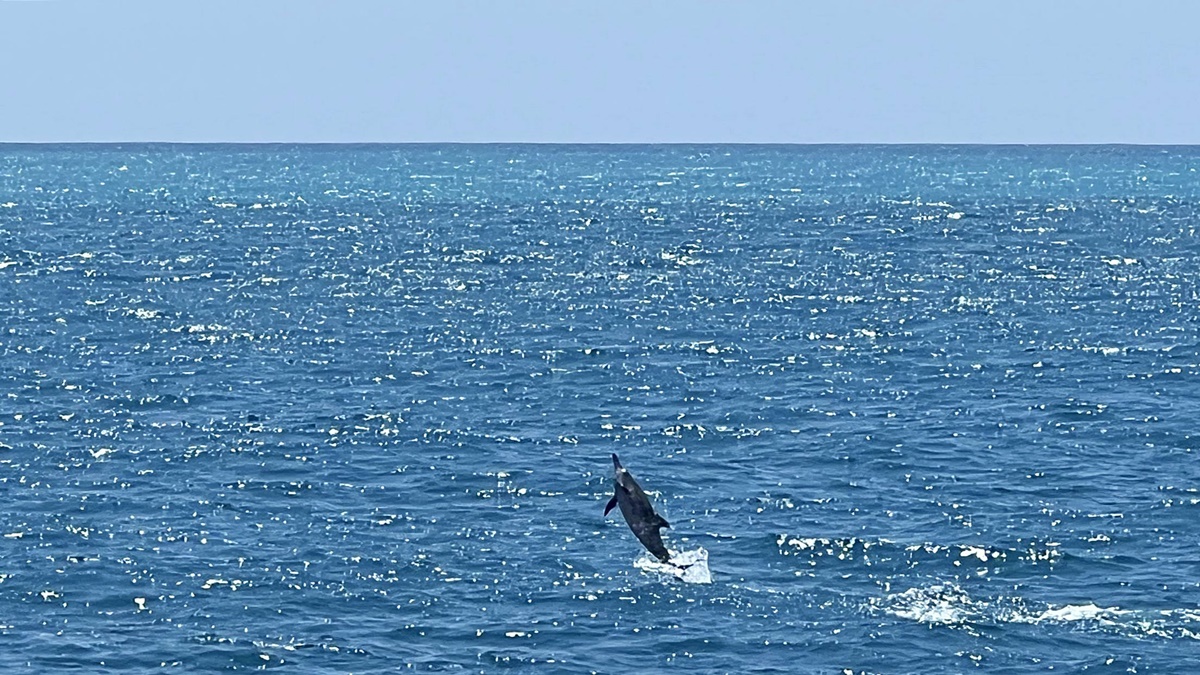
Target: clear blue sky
{"x":1045,"y":71}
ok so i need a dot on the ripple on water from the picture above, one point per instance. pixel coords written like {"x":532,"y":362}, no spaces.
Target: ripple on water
{"x":340,"y":409}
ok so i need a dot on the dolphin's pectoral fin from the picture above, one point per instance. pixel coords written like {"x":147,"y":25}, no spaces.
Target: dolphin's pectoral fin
{"x":662,"y":522}
{"x":611,"y":504}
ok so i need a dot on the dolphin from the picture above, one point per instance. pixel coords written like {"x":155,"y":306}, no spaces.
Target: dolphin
{"x":638,"y":511}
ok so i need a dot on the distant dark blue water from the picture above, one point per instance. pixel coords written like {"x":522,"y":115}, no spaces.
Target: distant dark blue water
{"x":350,"y":409}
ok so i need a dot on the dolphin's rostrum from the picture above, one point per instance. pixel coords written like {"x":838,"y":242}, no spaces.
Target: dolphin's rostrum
{"x":638,"y":511}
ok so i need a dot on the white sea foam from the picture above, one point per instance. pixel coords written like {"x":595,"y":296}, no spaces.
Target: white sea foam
{"x":1068,"y":613}
{"x":948,"y":604}
{"x":690,"y":567}
{"x":940,"y":604}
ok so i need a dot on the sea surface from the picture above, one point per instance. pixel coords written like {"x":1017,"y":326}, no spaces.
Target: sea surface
{"x":350,"y":409}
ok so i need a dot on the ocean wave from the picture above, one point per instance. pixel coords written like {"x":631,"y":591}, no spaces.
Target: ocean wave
{"x":949,"y":604}
{"x":871,"y":552}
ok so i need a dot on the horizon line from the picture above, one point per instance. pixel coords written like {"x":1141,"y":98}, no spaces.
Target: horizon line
{"x":621,"y":143}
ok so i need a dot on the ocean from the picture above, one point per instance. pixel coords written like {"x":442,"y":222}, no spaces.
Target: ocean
{"x":350,"y":409}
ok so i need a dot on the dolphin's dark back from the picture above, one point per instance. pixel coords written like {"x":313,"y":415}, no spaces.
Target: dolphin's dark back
{"x":638,"y":511}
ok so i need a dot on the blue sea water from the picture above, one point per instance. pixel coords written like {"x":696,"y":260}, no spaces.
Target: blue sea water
{"x":333,"y":409}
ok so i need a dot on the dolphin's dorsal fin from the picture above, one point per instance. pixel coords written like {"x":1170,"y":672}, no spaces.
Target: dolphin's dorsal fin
{"x":661,"y":522}
{"x":611,"y":504}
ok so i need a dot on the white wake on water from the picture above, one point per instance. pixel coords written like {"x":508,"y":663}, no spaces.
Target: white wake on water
{"x":690,"y":567}
{"x":948,"y":604}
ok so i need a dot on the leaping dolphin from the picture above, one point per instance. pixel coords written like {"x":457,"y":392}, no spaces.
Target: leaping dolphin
{"x":638,"y":511}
